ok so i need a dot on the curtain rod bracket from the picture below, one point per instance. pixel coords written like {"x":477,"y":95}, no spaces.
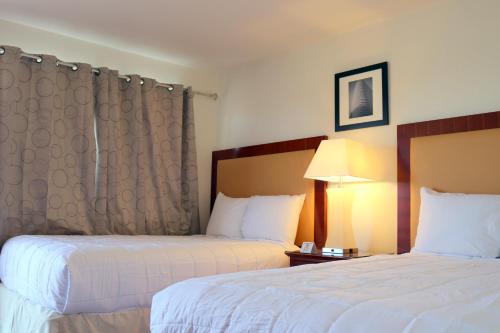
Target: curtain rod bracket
{"x":213,"y":96}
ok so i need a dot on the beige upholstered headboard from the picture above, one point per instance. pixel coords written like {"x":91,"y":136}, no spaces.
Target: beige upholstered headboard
{"x":467,"y":162}
{"x":274,"y":169}
{"x":449,"y":155}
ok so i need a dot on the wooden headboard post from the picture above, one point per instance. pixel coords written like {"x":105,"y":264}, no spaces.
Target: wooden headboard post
{"x":405,"y":133}
{"x":320,"y":206}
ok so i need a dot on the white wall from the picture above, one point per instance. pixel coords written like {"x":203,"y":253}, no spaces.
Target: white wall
{"x":74,"y":50}
{"x":444,"y":61}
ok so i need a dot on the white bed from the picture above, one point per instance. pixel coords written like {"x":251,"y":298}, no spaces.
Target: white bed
{"x":428,"y":290}
{"x":86,"y":274}
{"x":407,"y":293}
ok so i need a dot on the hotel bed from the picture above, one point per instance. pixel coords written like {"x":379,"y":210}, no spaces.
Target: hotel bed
{"x":106,"y":283}
{"x":74,"y":274}
{"x":450,"y":282}
{"x":407,"y":293}
{"x":55,"y":278}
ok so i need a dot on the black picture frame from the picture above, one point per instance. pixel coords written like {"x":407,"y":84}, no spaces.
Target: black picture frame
{"x":383,"y":66}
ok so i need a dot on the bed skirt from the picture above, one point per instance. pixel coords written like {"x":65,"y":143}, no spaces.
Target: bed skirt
{"x":19,"y":315}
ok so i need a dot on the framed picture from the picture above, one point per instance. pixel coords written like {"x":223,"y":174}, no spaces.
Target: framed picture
{"x":361,"y":98}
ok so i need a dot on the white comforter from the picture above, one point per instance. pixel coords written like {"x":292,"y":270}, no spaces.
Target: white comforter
{"x":73,"y":274}
{"x":408,"y":293}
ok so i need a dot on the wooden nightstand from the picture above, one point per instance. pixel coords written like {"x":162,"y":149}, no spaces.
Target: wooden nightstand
{"x":297,"y":258}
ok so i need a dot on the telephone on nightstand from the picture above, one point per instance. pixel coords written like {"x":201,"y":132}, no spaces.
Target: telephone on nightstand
{"x":308,"y":247}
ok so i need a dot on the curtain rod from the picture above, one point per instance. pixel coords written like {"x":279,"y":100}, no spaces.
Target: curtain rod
{"x":96,"y":71}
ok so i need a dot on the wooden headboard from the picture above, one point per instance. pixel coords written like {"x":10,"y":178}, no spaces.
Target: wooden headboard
{"x":458,"y":154}
{"x":273,"y":169}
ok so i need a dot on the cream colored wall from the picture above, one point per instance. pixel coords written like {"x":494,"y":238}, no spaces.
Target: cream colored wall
{"x":69,"y":49}
{"x":443,"y":61}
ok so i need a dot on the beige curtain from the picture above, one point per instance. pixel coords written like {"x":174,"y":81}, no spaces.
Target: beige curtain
{"x":137,"y":176}
{"x":147,"y":178}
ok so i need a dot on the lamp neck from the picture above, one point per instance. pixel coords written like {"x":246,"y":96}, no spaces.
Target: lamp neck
{"x":340,"y":184}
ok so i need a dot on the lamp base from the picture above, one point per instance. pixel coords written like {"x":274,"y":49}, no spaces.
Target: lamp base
{"x":335,"y":250}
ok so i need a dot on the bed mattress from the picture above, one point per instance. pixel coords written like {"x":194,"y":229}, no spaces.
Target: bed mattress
{"x":407,"y":293}
{"x":83,"y":274}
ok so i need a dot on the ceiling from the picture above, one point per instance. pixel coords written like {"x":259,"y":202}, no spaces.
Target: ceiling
{"x":215,"y":33}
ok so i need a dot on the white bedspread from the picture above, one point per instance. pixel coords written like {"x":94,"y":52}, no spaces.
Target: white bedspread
{"x":408,"y":293}
{"x":74,"y":274}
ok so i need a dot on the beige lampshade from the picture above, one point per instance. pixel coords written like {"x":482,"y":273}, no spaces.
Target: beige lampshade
{"x":339,"y":161}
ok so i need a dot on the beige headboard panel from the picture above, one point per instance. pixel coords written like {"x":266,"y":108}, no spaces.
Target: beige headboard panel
{"x":273,"y":174}
{"x":465,"y":162}
{"x":275,"y":169}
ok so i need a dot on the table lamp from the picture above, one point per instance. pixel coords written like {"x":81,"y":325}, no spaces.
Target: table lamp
{"x":339,"y":161}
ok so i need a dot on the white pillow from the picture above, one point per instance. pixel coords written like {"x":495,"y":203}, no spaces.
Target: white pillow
{"x":272,"y":217}
{"x":459,"y":224}
{"x":227,"y":216}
